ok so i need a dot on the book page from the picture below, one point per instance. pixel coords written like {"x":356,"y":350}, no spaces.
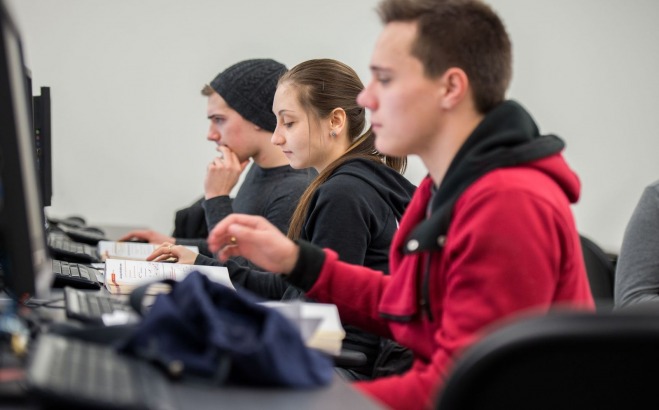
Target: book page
{"x":122,"y":276}
{"x":129,"y":250}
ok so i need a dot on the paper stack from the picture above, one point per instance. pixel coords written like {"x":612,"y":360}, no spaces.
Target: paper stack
{"x":319,"y":323}
{"x":129,"y":250}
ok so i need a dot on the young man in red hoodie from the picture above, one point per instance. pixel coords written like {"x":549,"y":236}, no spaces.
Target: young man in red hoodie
{"x":489,"y":232}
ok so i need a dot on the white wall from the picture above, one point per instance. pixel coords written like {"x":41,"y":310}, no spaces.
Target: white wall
{"x":129,"y":122}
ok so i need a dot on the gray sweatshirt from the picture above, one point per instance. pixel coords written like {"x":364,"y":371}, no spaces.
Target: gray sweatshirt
{"x":637,"y":271}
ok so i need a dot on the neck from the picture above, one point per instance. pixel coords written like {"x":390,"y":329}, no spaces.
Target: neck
{"x":447,"y":142}
{"x":334,"y":152}
{"x":269,"y":155}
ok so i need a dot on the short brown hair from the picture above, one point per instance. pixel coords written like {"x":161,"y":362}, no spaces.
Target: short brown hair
{"x":466,"y":34}
{"x":207,"y":91}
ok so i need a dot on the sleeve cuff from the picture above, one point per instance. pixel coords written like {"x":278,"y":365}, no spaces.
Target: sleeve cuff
{"x":308,"y":266}
{"x":206,"y":261}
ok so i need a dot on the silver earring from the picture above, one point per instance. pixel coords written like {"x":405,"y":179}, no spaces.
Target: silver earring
{"x":333,"y":134}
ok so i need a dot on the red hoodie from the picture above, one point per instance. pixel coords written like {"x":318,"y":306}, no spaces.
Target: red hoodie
{"x":511,"y":246}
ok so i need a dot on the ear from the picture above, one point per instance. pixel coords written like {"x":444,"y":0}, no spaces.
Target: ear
{"x":337,"y":121}
{"x":455,"y":87}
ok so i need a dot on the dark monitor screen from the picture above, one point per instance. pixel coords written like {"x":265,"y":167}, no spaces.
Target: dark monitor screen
{"x":43,"y":141}
{"x":26,"y":267}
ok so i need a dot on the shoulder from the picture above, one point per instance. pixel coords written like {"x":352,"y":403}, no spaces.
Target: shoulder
{"x":344,"y":185}
{"x":515,"y":181}
{"x":648,"y":206}
{"x":515,"y":196}
{"x":652,"y":191}
{"x":356,"y":174}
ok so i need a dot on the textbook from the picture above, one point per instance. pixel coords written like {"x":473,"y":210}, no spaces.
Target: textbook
{"x":129,"y":250}
{"x":319,"y":323}
{"x":122,"y":276}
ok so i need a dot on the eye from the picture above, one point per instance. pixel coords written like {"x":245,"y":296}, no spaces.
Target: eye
{"x":217,"y":120}
{"x":286,"y":122}
{"x":383,"y":79}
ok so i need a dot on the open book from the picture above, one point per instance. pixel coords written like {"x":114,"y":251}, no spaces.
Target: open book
{"x":122,"y":276}
{"x":319,"y":323}
{"x":129,"y":250}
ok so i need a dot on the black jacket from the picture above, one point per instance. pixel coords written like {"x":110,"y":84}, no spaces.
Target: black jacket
{"x":355,"y":213}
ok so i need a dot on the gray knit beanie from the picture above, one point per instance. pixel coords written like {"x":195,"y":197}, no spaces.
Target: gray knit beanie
{"x":249,"y":88}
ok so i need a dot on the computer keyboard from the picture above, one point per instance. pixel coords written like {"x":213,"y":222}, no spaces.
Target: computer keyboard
{"x":64,"y":248}
{"x":89,"y":306}
{"x":75,"y":275}
{"x":66,"y":372}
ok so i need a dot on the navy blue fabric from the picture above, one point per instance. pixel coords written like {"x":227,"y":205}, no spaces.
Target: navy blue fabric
{"x":222,"y":336}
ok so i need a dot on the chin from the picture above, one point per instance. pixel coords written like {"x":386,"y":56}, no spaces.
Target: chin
{"x":387,"y":149}
{"x":296,"y":165}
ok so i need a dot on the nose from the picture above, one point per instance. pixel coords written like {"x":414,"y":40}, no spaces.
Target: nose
{"x":366,"y":98}
{"x":213,"y":134}
{"x":277,"y":138}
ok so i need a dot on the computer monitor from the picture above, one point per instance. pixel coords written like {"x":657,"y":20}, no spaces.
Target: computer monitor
{"x":43,"y":143}
{"x":26,"y":266}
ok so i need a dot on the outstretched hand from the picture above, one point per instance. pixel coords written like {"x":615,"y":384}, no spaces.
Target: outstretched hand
{"x":255,"y":239}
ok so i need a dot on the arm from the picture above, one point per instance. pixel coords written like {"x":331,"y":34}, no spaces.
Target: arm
{"x":268,"y":285}
{"x":637,"y":271}
{"x":199,"y":243}
{"x":265,"y":284}
{"x":216,"y":209}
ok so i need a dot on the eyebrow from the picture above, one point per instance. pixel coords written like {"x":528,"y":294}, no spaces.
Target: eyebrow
{"x":280,"y":112}
{"x":378,"y":69}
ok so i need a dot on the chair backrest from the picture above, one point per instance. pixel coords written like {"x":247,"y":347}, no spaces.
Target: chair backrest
{"x":560,"y":361}
{"x":601,"y":273}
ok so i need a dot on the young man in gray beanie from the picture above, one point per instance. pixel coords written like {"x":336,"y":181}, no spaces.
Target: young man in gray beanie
{"x":241,"y":124}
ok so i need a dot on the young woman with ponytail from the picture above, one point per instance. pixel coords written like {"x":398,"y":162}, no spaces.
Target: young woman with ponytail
{"x":354,"y":204}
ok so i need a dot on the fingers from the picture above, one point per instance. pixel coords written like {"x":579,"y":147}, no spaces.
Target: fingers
{"x":165,"y":252}
{"x":227,"y":157}
{"x":227,"y":228}
{"x":227,"y":252}
{"x":132,"y":235}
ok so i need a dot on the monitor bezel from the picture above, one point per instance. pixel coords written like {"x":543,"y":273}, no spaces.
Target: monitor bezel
{"x":26,"y":266}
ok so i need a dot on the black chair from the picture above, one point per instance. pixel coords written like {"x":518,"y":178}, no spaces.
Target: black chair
{"x":601,"y":273}
{"x":560,"y":361}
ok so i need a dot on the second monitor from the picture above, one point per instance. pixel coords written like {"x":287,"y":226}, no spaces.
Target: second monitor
{"x":43,"y":138}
